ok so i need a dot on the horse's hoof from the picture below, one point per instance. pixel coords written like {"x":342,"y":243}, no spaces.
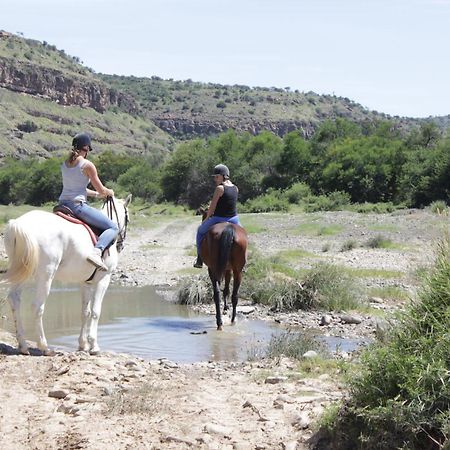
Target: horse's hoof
{"x":94,"y":352}
{"x":48,"y":352}
{"x":220,"y":328}
{"x":24,"y":351}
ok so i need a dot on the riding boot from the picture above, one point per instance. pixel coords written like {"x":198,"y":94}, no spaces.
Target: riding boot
{"x":198,"y":263}
{"x":95,"y":258}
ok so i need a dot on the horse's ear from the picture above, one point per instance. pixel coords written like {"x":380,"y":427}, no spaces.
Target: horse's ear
{"x":128,"y":200}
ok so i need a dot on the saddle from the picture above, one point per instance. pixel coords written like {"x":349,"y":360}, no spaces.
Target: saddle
{"x":66,"y":213}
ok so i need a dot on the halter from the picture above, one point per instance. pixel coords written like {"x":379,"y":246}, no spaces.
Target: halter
{"x":110,"y":208}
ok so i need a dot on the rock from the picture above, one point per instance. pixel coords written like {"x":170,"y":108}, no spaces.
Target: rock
{"x":275,"y":379}
{"x":382,"y":328}
{"x":310,"y":354}
{"x":68,"y":409}
{"x":348,"y":319}
{"x":284,"y":399}
{"x":290,"y":445}
{"x":213,"y":428}
{"x":326,"y":320}
{"x":302,"y":421}
{"x":60,"y":393}
{"x":245,"y":309}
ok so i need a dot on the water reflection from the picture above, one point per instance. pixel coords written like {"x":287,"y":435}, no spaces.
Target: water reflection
{"x":141,"y":322}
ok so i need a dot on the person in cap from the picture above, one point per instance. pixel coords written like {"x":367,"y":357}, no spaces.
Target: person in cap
{"x":222,"y":207}
{"x":77,"y":173}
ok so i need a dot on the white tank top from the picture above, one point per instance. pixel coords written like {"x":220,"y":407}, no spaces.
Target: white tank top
{"x":74,"y":182}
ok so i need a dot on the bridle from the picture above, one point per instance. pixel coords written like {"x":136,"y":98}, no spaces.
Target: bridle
{"x":111,"y":210}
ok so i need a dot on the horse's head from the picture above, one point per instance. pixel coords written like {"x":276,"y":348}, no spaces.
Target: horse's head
{"x":117,"y":210}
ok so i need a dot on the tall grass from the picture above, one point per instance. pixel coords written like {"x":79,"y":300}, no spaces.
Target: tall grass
{"x":269,"y":282}
{"x":401,"y":397}
{"x":325,"y":286}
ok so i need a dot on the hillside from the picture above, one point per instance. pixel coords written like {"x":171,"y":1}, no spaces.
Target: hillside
{"x":187,"y":109}
{"x":46,"y":97}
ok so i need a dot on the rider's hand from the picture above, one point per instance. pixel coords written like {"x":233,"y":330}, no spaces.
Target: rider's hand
{"x":108,"y":193}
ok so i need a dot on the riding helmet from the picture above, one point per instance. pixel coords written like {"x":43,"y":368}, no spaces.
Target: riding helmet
{"x":223,"y":170}
{"x":80,"y":140}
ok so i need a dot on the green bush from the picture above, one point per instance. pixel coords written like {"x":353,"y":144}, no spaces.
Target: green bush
{"x":439,"y":207}
{"x":294,"y":345}
{"x":194,"y":291}
{"x":272,"y":201}
{"x":378,"y":208}
{"x":334,"y":201}
{"x":297,"y":193}
{"x":324,"y":287}
{"x":379,"y":241}
{"x":401,"y":397}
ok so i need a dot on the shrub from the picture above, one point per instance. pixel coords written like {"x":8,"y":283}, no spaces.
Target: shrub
{"x":334,"y":201}
{"x":272,"y":201}
{"x":378,"y":208}
{"x":439,"y":207}
{"x":27,"y":127}
{"x":348,"y":245}
{"x":194,"y":291}
{"x":297,"y":193}
{"x":294,"y":345}
{"x":379,"y":241}
{"x":401,"y":397}
{"x":325,"y":287}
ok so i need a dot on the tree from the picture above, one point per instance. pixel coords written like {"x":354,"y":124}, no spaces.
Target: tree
{"x":295,"y":160}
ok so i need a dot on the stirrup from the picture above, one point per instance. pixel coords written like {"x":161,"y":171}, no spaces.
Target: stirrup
{"x":198,"y":264}
{"x":95,"y":258}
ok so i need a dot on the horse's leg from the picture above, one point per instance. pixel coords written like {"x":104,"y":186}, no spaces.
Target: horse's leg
{"x":237,"y":277}
{"x":86,"y":297}
{"x":96,"y":309}
{"x":14,"y":301}
{"x":43,"y":284}
{"x":226,"y":290}
{"x":216,"y":291}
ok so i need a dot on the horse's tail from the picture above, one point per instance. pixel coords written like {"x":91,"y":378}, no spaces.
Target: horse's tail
{"x":23,"y":252}
{"x":225,"y":244}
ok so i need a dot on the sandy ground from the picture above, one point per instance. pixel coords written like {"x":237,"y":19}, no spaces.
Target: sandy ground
{"x":115,"y":401}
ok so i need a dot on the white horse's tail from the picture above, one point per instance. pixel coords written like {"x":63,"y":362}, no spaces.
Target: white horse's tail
{"x":23,"y":253}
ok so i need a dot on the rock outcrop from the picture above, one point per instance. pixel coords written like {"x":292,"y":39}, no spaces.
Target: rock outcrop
{"x":64,"y":88}
{"x":192,"y":127}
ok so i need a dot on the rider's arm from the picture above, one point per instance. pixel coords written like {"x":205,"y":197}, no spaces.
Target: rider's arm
{"x":92,"y":193}
{"x":212,"y":207}
{"x":91,"y":171}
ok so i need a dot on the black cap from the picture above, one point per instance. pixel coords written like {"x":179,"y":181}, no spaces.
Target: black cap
{"x":221,"y":169}
{"x":81,"y":140}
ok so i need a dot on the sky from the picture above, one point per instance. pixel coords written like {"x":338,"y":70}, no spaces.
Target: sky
{"x":392,"y":56}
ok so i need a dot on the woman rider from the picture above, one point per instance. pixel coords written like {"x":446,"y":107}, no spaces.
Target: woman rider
{"x":222,"y":207}
{"x":77,"y":172}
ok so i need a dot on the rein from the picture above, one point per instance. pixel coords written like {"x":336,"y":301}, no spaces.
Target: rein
{"x":111,"y":211}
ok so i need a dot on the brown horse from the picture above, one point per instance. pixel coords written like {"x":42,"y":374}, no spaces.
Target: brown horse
{"x":224,"y":250}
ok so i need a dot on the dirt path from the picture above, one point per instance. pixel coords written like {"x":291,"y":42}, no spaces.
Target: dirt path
{"x":156,"y":256}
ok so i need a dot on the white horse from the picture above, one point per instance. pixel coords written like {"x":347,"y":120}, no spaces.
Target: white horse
{"x":46,"y":247}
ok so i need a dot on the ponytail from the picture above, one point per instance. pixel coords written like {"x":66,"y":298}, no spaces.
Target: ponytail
{"x":73,"y":155}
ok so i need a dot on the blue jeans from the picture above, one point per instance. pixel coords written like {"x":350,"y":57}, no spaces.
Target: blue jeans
{"x":97,"y":219}
{"x":208,"y":223}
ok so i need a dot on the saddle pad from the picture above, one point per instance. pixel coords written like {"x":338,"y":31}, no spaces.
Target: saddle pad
{"x":78,"y":221}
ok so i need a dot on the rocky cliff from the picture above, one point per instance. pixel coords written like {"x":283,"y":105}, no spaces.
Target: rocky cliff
{"x":199,"y":127}
{"x":66,"y":89}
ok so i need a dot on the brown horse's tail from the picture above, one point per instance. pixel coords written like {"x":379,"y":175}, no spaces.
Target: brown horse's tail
{"x":225,"y":244}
